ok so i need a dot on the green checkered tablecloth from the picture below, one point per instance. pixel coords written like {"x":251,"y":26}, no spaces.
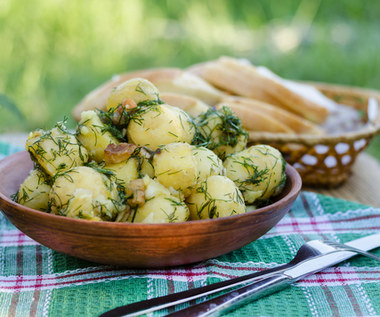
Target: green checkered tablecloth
{"x":37,"y":281}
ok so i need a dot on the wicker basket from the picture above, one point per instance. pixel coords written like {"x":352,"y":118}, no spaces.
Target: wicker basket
{"x":326,"y":160}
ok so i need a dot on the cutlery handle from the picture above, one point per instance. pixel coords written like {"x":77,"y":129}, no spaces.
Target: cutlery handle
{"x":235,"y":298}
{"x":154,"y":304}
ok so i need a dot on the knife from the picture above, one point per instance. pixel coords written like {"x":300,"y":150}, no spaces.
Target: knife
{"x":276,"y":282}
{"x":316,"y":257}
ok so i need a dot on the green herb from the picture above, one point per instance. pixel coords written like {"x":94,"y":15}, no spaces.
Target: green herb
{"x":216,"y":128}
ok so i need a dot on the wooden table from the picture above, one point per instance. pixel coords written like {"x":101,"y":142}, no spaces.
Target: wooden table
{"x":363,"y":186}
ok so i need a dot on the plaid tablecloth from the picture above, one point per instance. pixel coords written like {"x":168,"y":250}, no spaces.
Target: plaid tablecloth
{"x":38,"y":281}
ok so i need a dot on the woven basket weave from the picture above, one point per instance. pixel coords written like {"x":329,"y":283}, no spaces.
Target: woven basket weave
{"x":326,"y":160}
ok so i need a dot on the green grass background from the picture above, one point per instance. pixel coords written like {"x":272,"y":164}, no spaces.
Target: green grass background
{"x":53,"y":52}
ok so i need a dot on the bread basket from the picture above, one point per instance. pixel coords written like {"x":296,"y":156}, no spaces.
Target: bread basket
{"x":327,"y":160}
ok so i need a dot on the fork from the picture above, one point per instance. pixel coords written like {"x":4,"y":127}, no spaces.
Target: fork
{"x":341,"y":246}
{"x":276,"y":282}
{"x":255,"y":284}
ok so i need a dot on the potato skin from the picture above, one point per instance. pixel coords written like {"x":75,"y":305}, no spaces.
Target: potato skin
{"x":55,"y":151}
{"x":258,"y":171}
{"x":93,"y":134}
{"x":34,"y":191}
{"x":160,"y":206}
{"x":158,"y":125}
{"x":84,"y":193}
{"x":175,"y":167}
{"x":137,"y":89}
{"x":215,"y":197}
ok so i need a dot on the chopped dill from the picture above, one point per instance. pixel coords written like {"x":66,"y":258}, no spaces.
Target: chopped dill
{"x":216,"y":128}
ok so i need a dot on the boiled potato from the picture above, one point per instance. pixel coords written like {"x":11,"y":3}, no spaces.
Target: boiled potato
{"x":175,"y":167}
{"x":215,"y":197}
{"x":207,"y":163}
{"x":130,"y":169}
{"x":85,"y":193}
{"x":162,"y":209}
{"x":159,"y":125}
{"x":55,"y":151}
{"x":154,"y":188}
{"x":258,"y":171}
{"x":139,"y":90}
{"x":125,"y":171}
{"x":221,"y":131}
{"x":34,"y":191}
{"x":160,"y":205}
{"x":94,"y":135}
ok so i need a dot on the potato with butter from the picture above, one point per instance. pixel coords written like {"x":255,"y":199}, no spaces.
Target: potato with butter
{"x":175,"y":167}
{"x":160,"y":205}
{"x":215,"y":197}
{"x":258,"y":171}
{"x":34,"y":191}
{"x":221,"y":131}
{"x":154,"y":126}
{"x":84,"y":193}
{"x":55,"y":151}
{"x":138,"y":90}
{"x":94,"y":135}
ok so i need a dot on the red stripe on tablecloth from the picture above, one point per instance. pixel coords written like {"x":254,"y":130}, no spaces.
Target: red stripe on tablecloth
{"x":303,"y":221}
{"x":350,"y":294}
{"x":354,"y":302}
{"x":36,"y":295}
{"x":320,"y":279}
{"x":183,"y":274}
{"x":313,"y":223}
{"x":171,"y":289}
{"x":350,"y":230}
{"x":186,"y":273}
{"x":19,"y":271}
{"x":331,"y":301}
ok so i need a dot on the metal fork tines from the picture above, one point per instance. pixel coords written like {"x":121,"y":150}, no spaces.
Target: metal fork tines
{"x":342,"y":246}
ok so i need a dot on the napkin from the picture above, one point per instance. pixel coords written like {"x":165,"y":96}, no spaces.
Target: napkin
{"x":38,"y":281}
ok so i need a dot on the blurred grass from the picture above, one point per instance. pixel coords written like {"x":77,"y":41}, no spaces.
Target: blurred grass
{"x":53,"y":52}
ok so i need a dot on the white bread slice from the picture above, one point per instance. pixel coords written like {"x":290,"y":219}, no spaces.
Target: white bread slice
{"x":242,"y":79}
{"x":294,"y":122}
{"x":193,"y":106}
{"x":255,"y":120}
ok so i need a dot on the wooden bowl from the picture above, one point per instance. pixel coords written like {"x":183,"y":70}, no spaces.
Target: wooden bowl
{"x":133,"y":244}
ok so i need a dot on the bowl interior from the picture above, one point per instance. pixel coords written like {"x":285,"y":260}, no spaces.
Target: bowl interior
{"x":139,"y":245}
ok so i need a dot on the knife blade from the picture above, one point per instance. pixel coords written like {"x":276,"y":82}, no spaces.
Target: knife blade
{"x":276,"y":282}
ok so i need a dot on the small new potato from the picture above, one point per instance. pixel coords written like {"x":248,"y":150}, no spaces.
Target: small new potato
{"x":162,"y":209}
{"x":55,"y":151}
{"x":137,"y":89}
{"x":175,"y":167}
{"x":215,"y":197}
{"x":154,"y":126}
{"x":94,"y":135}
{"x":85,"y":193}
{"x":160,"y":205}
{"x":34,"y":191}
{"x":258,"y":171}
{"x":125,"y":171}
{"x":221,"y":131}
{"x":207,"y":163}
